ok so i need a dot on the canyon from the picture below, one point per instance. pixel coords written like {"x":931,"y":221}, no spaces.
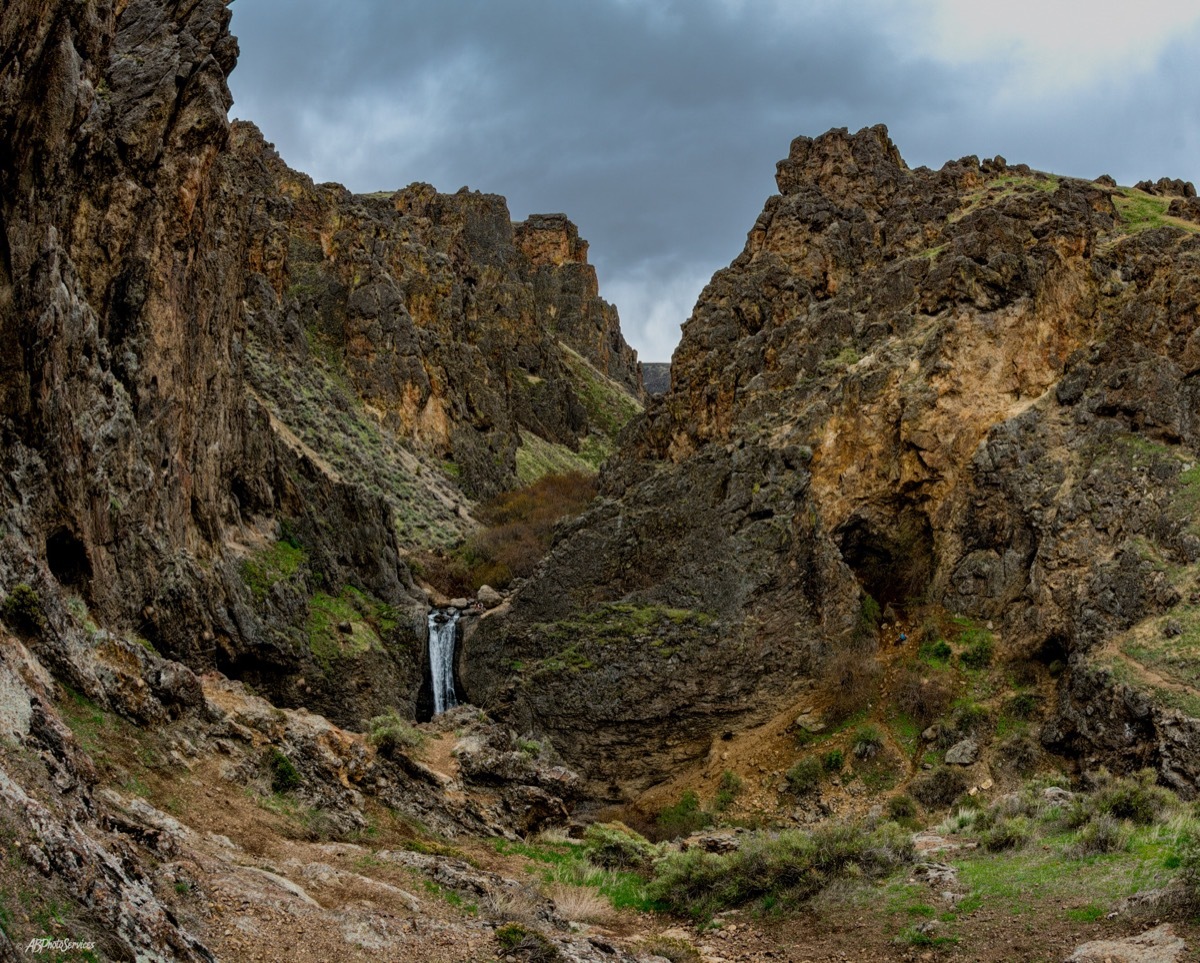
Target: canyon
{"x":910,"y":515}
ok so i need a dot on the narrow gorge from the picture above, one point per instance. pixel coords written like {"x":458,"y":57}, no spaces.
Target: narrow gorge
{"x":358,"y":584}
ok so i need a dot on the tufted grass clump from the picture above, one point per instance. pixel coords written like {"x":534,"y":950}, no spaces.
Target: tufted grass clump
{"x":529,"y":945}
{"x":791,"y":867}
{"x":389,"y":733}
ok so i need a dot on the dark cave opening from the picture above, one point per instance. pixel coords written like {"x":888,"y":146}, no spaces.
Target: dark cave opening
{"x":893,"y":558}
{"x":69,"y":562}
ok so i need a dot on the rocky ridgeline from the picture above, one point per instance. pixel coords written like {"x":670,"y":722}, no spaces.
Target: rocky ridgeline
{"x":970,"y":389}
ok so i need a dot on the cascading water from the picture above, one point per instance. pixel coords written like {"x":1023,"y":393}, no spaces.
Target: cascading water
{"x":443,"y":627}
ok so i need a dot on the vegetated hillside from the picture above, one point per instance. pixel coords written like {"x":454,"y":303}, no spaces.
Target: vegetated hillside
{"x":915,"y":395}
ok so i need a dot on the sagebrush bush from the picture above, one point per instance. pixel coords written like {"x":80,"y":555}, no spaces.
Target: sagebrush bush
{"x":616,"y":846}
{"x":727,"y":790}
{"x":805,"y":776}
{"x":833,"y":760}
{"x":924,"y":697}
{"x":901,"y":808}
{"x":1136,"y":798}
{"x":1008,"y":832}
{"x":939,"y":788}
{"x":791,"y":865}
{"x":1019,"y":753}
{"x":684,"y":818}
{"x":1187,"y":858}
{"x":852,"y":679}
{"x":22,"y":610}
{"x":389,"y":733}
{"x":1102,"y":835}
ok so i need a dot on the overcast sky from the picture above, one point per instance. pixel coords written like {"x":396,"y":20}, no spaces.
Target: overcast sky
{"x":656,"y":124}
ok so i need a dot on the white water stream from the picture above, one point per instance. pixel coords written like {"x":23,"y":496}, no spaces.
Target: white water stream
{"x":443,"y":626}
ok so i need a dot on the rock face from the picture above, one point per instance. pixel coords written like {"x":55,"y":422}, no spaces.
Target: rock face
{"x":230,"y":397}
{"x":656,"y":376}
{"x":972,"y":385}
{"x":458,"y":330}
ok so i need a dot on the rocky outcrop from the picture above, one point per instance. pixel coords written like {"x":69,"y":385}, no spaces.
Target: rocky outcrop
{"x":454,"y":326}
{"x":1159,"y":945}
{"x":972,"y":386}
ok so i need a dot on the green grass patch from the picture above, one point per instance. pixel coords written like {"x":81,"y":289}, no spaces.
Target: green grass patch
{"x":568,"y":863}
{"x":277,"y":563}
{"x":609,"y":406}
{"x":537,"y":458}
{"x":329,"y":615}
{"x":1086,"y":914}
{"x":1141,"y":212}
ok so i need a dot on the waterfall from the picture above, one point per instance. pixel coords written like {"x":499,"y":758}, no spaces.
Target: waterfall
{"x":443,"y":626}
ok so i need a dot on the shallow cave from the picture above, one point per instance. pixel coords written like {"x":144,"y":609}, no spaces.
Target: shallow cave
{"x":68,"y":561}
{"x":892,"y":557}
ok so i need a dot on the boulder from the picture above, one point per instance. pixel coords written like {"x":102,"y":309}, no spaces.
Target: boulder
{"x":963,"y":753}
{"x":489,"y":596}
{"x":1159,"y":945}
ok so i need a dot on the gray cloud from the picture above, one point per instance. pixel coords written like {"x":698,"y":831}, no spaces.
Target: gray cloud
{"x":656,"y":126}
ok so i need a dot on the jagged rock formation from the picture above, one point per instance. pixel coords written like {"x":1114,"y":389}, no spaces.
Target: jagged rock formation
{"x":232,"y":398}
{"x":458,"y":330}
{"x":171,"y":300}
{"x":974,"y":386}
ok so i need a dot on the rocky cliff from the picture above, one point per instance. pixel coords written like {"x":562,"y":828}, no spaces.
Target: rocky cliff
{"x":231,"y":401}
{"x":966,"y":391}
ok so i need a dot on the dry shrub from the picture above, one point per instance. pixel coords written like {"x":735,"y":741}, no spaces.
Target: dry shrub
{"x":1019,"y":753}
{"x":581,"y":904}
{"x":923,"y":697}
{"x":939,"y":788}
{"x":852,"y":680}
{"x":513,"y":905}
{"x":520,"y":530}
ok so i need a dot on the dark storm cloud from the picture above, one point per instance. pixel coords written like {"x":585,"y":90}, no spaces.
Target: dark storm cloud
{"x":655,"y":126}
